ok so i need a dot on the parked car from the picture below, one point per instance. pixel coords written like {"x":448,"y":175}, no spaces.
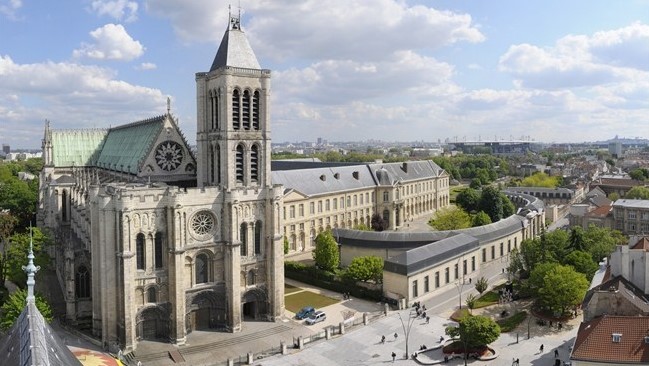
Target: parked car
{"x":305,"y":312}
{"x":316,"y":317}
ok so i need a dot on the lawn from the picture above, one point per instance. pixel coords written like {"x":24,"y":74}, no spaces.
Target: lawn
{"x":489,"y":298}
{"x":296,"y":301}
{"x":289,"y":289}
{"x":509,"y":324}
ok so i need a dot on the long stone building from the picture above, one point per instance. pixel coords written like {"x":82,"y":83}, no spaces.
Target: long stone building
{"x":156,"y":240}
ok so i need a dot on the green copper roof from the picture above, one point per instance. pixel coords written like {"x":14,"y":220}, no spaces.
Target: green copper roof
{"x":127,"y":146}
{"x":76,"y":147}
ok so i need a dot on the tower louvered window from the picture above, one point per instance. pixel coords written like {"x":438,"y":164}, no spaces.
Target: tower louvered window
{"x":254,"y":163}
{"x":139,"y":251}
{"x":245,"y":110}
{"x":239,"y":164}
{"x":236,"y":108}
{"x":255,"y":111}
{"x":158,"y":251}
{"x":213,"y":109}
{"x":212,"y":164}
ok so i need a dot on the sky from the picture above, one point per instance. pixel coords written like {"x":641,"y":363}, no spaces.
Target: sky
{"x":342,"y":70}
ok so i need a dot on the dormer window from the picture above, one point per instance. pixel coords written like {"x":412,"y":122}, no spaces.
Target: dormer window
{"x":617,"y":337}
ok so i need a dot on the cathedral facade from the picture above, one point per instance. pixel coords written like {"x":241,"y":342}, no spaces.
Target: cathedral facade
{"x":158,"y":240}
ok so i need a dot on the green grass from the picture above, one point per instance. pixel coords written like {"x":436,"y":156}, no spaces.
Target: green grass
{"x":454,"y":191}
{"x":459,"y":314}
{"x":488,"y":298}
{"x":289,"y":289}
{"x":296,"y":301}
{"x":509,"y":324}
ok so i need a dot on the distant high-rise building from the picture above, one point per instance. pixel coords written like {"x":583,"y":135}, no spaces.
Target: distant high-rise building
{"x":6,"y":148}
{"x":319,"y":141}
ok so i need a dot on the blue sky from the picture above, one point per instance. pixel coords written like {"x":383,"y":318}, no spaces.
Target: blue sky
{"x":552,"y":71}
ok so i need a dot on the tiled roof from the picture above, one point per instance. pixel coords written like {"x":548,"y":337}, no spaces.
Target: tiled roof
{"x":600,"y":211}
{"x":594,"y":340}
{"x":643,"y":244}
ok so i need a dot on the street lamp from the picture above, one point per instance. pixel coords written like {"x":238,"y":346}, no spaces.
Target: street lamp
{"x":406,"y":333}
{"x":460,"y":286}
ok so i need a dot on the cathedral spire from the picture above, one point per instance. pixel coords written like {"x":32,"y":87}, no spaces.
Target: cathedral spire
{"x":31,"y":270}
{"x":235,"y":51}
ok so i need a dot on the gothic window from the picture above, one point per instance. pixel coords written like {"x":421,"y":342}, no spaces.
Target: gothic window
{"x":251,"y":278}
{"x":254,"y":163}
{"x":151,"y":295}
{"x":212,"y":167}
{"x":245,"y":110}
{"x":239,"y":164}
{"x":158,"y":251}
{"x":139,"y":249}
{"x":202,"y":268}
{"x":82,"y":282}
{"x":218,"y":164}
{"x":258,"y":237}
{"x":235,"y":109}
{"x":213,"y":102}
{"x":216,"y":110}
{"x":255,"y":111}
{"x":243,"y":237}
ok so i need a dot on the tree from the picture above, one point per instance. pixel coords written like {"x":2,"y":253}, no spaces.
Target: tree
{"x":476,"y":183}
{"x":450,"y":218}
{"x":286,"y":247}
{"x":470,"y":301}
{"x":480,"y":219}
{"x":475,"y":331}
{"x":491,"y":203}
{"x":7,"y":224}
{"x":16,"y":255}
{"x":638,"y":193}
{"x":481,"y":285}
{"x":326,"y":251}
{"x":362,"y":227}
{"x":613,"y":196}
{"x":562,"y":289}
{"x":577,"y":238}
{"x":600,"y":242}
{"x":366,"y":268}
{"x":378,"y":224}
{"x":508,"y":207}
{"x":15,"y":304}
{"x":582,"y":262}
{"x":640,"y":174}
{"x":468,"y":199}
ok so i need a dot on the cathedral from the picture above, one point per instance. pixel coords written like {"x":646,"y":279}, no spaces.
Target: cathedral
{"x":156,"y":240}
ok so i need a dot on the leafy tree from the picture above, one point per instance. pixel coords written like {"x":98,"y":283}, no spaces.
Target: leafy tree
{"x":450,"y":218}
{"x":363,"y":227}
{"x":476,"y":183}
{"x":15,"y":304}
{"x":577,"y":238}
{"x":377,"y":222}
{"x":640,"y":174}
{"x":19,"y":198}
{"x":600,"y":242}
{"x":480,"y":219}
{"x":475,"y":331}
{"x":562,"y":289}
{"x":481,"y":285}
{"x":366,"y":268}
{"x":508,"y":207}
{"x":491,"y":203}
{"x":7,"y":224}
{"x":468,"y":199}
{"x":470,"y":301}
{"x":638,"y":193}
{"x":582,"y":262}
{"x":613,"y":196}
{"x":326,"y":253}
{"x":540,"y":179}
{"x":16,"y":255}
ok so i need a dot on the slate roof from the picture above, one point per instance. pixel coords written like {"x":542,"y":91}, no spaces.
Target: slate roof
{"x":631,"y":203}
{"x":76,"y":147}
{"x":31,"y":341}
{"x":594,"y":340}
{"x":234,"y":49}
{"x":418,"y":259}
{"x":622,"y":287}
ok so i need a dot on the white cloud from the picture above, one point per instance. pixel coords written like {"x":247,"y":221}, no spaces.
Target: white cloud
{"x":111,"y":42}
{"x":147,"y":66}
{"x":120,"y":9}
{"x":9,"y":7}
{"x":70,"y":95}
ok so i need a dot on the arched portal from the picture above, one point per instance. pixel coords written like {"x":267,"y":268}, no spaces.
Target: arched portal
{"x":206,"y":310}
{"x":254,"y":305}
{"x":153,"y":323}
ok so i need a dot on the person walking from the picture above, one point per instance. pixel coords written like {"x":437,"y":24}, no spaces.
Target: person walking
{"x":395,"y":336}
{"x":383,"y":339}
{"x":556,"y":353}
{"x":394,"y":356}
{"x":541,"y":349}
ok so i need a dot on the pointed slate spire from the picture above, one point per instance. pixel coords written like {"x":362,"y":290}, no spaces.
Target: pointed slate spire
{"x":235,"y":50}
{"x":31,"y":270}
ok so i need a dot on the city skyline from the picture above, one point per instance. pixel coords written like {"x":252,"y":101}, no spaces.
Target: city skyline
{"x":347,"y":71}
